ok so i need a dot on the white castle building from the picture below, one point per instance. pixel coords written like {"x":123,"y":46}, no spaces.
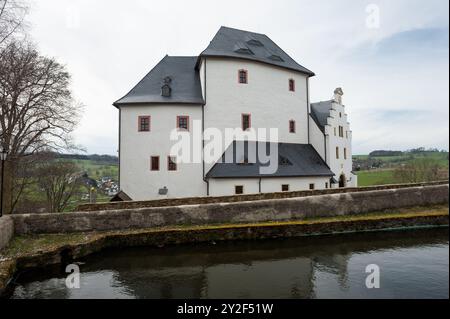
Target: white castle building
{"x":244,"y":83}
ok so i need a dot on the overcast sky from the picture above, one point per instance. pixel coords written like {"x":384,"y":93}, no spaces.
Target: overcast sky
{"x":394,"y":71}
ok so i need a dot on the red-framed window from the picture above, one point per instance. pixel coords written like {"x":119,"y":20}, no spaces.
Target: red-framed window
{"x":144,"y":123}
{"x":154,"y":163}
{"x":246,"y":122}
{"x":291,"y":126}
{"x":171,"y":163}
{"x":183,"y":122}
{"x":292,"y":85}
{"x":243,"y":76}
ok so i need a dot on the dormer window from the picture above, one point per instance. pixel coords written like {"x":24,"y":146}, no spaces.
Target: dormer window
{"x":292,"y":85}
{"x":253,"y":41}
{"x":275,"y":57}
{"x":243,"y":76}
{"x":166,"y":90}
{"x":242,"y":48}
{"x":284,"y":161}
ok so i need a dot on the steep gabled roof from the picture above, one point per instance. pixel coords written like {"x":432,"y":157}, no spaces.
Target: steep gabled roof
{"x":320,"y":112}
{"x":184,"y":83}
{"x":234,"y":43}
{"x":294,"y":160}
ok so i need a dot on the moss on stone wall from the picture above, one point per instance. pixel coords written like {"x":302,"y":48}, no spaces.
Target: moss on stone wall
{"x":32,"y":251}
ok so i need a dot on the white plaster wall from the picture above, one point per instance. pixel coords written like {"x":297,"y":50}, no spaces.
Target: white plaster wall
{"x":226,"y":186}
{"x":339,"y":166}
{"x":266,"y":97}
{"x":316,"y":138}
{"x":270,"y":185}
{"x":136,"y":148}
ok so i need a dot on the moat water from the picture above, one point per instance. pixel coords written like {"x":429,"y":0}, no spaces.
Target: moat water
{"x":412,"y":264}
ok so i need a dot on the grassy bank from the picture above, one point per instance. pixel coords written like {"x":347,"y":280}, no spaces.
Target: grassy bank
{"x":35,"y":244}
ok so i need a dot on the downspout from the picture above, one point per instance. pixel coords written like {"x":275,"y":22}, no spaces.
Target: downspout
{"x":260,"y":180}
{"x":203,"y":132}
{"x":307,"y":106}
{"x":120,"y":131}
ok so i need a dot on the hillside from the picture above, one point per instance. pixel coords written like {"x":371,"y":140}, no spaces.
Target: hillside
{"x":378,"y":167}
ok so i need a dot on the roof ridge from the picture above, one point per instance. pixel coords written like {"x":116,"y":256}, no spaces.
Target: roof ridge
{"x":236,"y":29}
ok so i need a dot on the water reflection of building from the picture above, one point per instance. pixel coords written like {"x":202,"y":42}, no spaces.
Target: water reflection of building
{"x":263,"y":269}
{"x":208,"y":273}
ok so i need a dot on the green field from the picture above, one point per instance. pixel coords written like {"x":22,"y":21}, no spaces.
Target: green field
{"x":96,"y":170}
{"x":385,"y":174}
{"x":376,"y":177}
{"x":440,"y":157}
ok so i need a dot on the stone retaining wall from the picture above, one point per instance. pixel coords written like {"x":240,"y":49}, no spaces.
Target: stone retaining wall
{"x":6,"y":231}
{"x":289,"y":209}
{"x":241,"y":198}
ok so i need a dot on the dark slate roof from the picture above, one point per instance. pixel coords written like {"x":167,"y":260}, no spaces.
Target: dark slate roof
{"x":320,"y":112}
{"x":247,"y":45}
{"x":185,"y":83}
{"x":299,"y":160}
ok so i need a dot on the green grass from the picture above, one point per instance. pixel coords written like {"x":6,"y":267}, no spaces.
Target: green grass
{"x":97,"y":170}
{"x":440,"y":157}
{"x":376,"y":177}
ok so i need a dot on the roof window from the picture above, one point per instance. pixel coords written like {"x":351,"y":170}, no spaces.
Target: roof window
{"x":242,"y":49}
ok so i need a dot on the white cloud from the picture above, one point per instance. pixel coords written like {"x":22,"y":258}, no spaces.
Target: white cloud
{"x":108,"y":45}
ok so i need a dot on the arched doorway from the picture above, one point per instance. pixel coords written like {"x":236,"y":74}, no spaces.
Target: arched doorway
{"x":342,"y":181}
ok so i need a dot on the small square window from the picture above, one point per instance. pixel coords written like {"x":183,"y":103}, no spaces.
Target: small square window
{"x":243,"y":76}
{"x":291,"y":126}
{"x":246,"y":122}
{"x":285,"y":188}
{"x":312,"y":186}
{"x":239,"y":189}
{"x":144,"y":124}
{"x":183,"y":122}
{"x":171,"y":163}
{"x":291,"y":85}
{"x":154,"y":163}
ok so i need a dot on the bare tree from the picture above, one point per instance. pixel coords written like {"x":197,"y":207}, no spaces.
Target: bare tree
{"x":37,"y":111}
{"x":419,"y":170}
{"x":59,"y":180}
{"x":12,"y":15}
